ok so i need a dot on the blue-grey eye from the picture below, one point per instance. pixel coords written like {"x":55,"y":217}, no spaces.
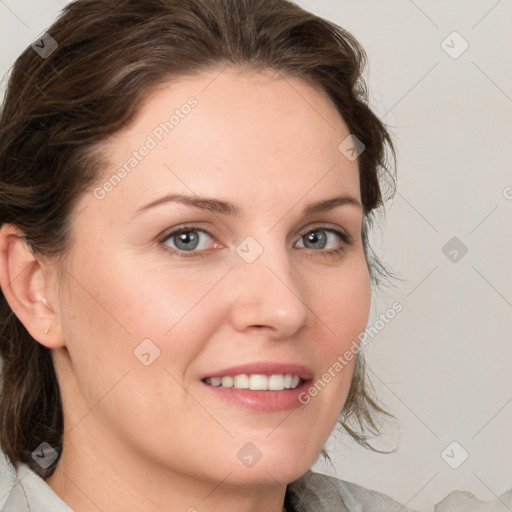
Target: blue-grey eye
{"x":319,"y":238}
{"x":188,"y":240}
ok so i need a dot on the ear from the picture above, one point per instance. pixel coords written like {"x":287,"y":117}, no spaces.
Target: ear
{"x":24,"y":279}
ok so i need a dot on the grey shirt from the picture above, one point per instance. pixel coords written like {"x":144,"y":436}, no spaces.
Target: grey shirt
{"x":25,"y":491}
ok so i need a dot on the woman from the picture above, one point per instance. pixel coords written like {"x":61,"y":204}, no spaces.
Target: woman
{"x":186,"y":192}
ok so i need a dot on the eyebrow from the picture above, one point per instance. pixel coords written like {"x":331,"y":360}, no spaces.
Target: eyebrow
{"x":218,"y":206}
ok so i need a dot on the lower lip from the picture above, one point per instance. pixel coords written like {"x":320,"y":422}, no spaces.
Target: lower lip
{"x":265,"y":401}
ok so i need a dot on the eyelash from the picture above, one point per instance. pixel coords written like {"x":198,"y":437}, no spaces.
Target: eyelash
{"x":345,"y":237}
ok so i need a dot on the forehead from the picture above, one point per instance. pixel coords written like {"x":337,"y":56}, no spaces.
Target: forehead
{"x":255,"y":135}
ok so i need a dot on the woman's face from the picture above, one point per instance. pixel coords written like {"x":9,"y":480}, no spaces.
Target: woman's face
{"x":148,"y":314}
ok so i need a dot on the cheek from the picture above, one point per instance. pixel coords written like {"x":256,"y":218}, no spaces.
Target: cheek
{"x":342,"y":302}
{"x":121,"y":302}
{"x":112,"y":311}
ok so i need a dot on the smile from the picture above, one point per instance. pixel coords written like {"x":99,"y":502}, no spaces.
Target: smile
{"x":256,"y":382}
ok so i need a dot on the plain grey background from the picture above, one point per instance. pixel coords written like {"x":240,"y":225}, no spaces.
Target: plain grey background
{"x":443,"y":364}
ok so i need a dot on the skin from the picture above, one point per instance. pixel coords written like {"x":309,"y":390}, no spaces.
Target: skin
{"x":154,"y":434}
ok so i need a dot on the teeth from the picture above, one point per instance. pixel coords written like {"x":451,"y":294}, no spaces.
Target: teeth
{"x":276,"y":382}
{"x":216,"y":381}
{"x":241,"y":381}
{"x":256,"y":382}
{"x":227,"y":382}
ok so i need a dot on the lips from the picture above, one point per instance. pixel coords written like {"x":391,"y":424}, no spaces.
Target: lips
{"x":265,"y":387}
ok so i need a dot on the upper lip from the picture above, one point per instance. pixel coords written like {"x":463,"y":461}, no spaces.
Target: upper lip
{"x":264,"y":368}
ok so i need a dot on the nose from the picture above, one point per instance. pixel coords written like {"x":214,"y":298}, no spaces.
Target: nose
{"x":267,"y":295}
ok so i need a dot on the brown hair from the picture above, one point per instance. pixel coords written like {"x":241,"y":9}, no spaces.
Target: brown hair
{"x":111,"y":54}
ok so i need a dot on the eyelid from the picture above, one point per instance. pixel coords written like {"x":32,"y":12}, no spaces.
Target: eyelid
{"x":183,"y":227}
{"x":330,"y":227}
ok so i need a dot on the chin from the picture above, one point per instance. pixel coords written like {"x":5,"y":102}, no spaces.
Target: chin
{"x":282,"y":468}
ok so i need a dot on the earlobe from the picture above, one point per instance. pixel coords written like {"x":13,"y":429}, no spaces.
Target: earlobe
{"x":23,"y":282}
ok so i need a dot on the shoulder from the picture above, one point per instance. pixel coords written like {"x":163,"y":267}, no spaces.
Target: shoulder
{"x":464,"y":501}
{"x":316,"y":492}
{"x":22,"y":490}
{"x":322,"y":493}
